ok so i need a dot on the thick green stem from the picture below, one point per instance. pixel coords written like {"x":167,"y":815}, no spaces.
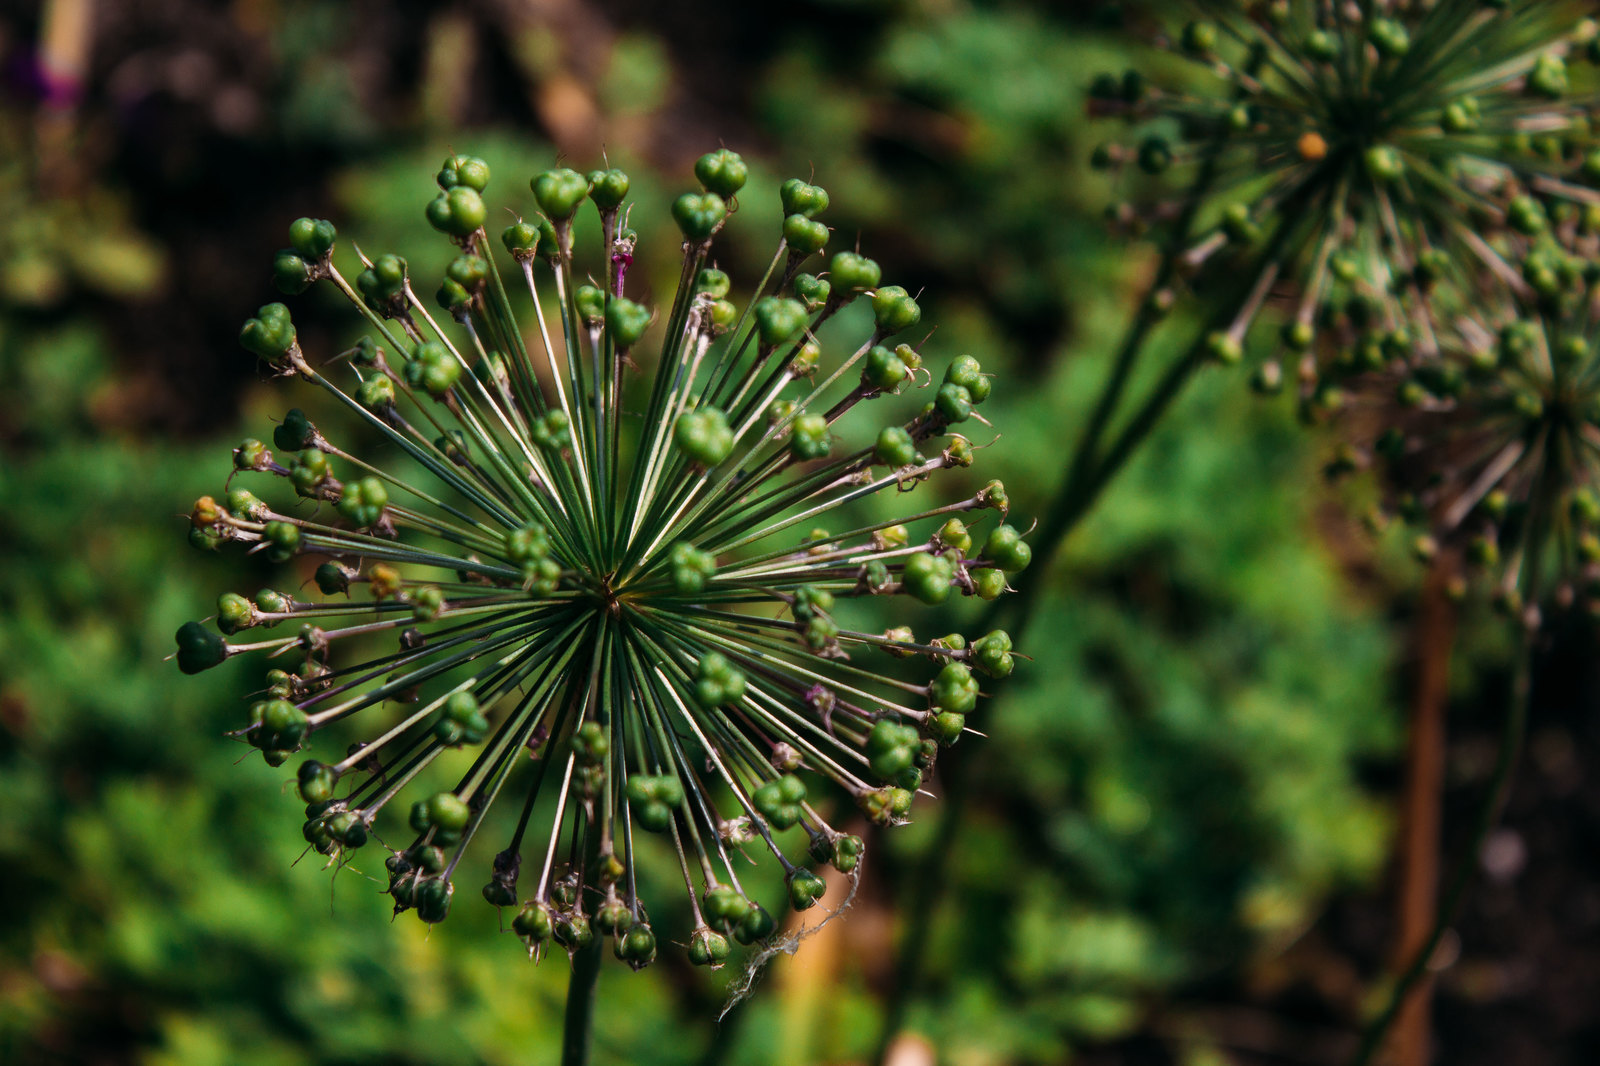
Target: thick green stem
{"x":577,"y":1034}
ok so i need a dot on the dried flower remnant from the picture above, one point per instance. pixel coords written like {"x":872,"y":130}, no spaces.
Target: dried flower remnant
{"x":617,"y":591}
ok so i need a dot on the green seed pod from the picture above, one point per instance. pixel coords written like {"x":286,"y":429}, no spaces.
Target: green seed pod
{"x":691,"y":568}
{"x":608,"y":188}
{"x":895,"y":447}
{"x":1457,"y":117}
{"x":471,"y":272}
{"x":376,"y":393}
{"x":316,"y":781}
{"x":637,"y":947}
{"x":1298,"y":336}
{"x":521,"y":239}
{"x":463,"y":170}
{"x":801,"y":198}
{"x":1548,"y":78}
{"x":295,"y":433}
{"x":946,"y":727}
{"x":1525,"y":215}
{"x":613,"y":918}
{"x":312,"y":238}
{"x":290,"y":273}
{"x":712,"y":281}
{"x":1385,"y":164}
{"x":979,"y":389}
{"x":1224,"y":348}
{"x":993,"y":495}
{"x":809,"y":437}
{"x":954,"y":534}
{"x":348,"y":829}
{"x":234,"y":613}
{"x":894,"y":310}
{"x":199,"y":648}
{"x":1155,"y":155}
{"x":723,"y":316}
{"x":251,"y":454}
{"x":1321,"y":46}
{"x":756,"y":925}
{"x":1199,"y":38}
{"x":427,"y":603}
{"x":884,"y":370}
{"x":852,"y":273}
{"x":282,"y":540}
{"x":270,"y":334}
{"x":812,"y":291}
{"x":778,"y":319}
{"x":805,"y":888}
{"x":704,"y":435}
{"x":847,"y":852}
{"x":534,"y":923}
{"x":955,"y":689}
{"x":383,"y":284}
{"x":559,"y":192}
{"x":277,"y":725}
{"x":1007,"y":550}
{"x":457,"y":211}
{"x":724,"y":907}
{"x":626,"y":321}
{"x":707,"y":948}
{"x":953,"y":403}
{"x":433,"y":899}
{"x":448,"y":812}
{"x":927,"y":577}
{"x":721,"y":172}
{"x":572,"y":930}
{"x":698,"y":215}
{"x":365,"y":352}
{"x":992,"y":654}
{"x":804,"y":235}
{"x":890,"y":748}
{"x":1389,"y":37}
{"x":246,"y":503}
{"x":590,"y":744}
{"x":717,"y":682}
{"x":591,"y":305}
{"x":363,"y":502}
{"x":780,"y":801}
{"x":432,"y":368}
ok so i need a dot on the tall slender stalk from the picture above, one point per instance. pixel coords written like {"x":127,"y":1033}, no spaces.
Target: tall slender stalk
{"x":1494,"y":801}
{"x":1417,"y":897}
{"x":577,"y":1034}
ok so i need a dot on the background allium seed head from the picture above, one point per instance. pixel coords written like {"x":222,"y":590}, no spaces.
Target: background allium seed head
{"x":603,"y":575}
{"x":1488,"y":438}
{"x":1347,"y":156}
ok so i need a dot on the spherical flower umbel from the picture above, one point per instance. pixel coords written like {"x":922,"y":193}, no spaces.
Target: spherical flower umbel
{"x":1487,"y":437}
{"x":1353,"y":153}
{"x":608,"y":587}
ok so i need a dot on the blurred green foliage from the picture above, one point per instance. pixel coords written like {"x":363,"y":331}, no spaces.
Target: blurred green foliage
{"x":1169,"y":787}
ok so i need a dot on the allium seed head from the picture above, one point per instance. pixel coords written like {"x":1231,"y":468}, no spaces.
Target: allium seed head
{"x":605,"y":587}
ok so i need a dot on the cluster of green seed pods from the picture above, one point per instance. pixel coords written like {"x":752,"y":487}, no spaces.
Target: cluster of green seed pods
{"x":607,"y":587}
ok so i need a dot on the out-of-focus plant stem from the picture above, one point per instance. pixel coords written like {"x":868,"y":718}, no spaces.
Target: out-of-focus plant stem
{"x":1418,"y":895}
{"x":578,"y":1031}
